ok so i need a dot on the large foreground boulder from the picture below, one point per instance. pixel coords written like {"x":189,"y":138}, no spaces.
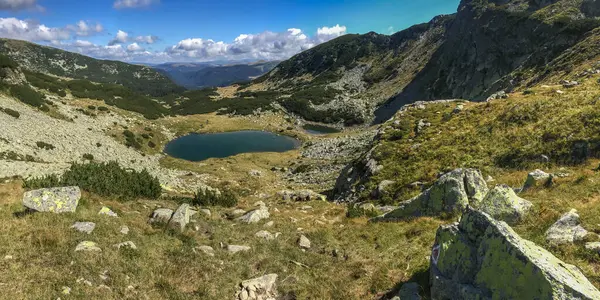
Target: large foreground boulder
{"x":450,"y":194}
{"x":56,"y":200}
{"x":181,"y":217}
{"x":504,"y":205}
{"x":481,"y":258}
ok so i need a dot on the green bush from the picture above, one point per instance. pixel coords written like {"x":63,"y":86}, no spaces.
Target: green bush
{"x":13,"y":113}
{"x":88,"y":156}
{"x":211,"y":198}
{"x":6,"y":62}
{"x":27,"y":95}
{"x":102,"y":108}
{"x":355,"y":211}
{"x":151,"y":144}
{"x":91,"y":107}
{"x":130,"y":140}
{"x":104,"y":179}
{"x":44,"y":145}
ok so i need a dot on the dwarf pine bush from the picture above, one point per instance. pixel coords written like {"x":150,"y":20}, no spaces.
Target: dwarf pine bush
{"x":104,"y":179}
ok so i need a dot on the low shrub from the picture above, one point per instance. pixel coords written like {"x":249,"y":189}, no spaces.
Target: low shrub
{"x":88,"y":156}
{"x":102,"y":108}
{"x":27,"y":95}
{"x":355,"y":211}
{"x":104,"y":179}
{"x":151,"y":144}
{"x":13,"y":113}
{"x":211,"y":198}
{"x":44,"y":145}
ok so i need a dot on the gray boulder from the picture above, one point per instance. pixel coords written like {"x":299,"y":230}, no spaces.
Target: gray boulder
{"x":181,"y":217}
{"x":304,"y":242}
{"x":237,"y":248}
{"x":566,"y":230}
{"x":261,"y":288}
{"x":482,"y":258}
{"x":503,"y":204}
{"x":451,"y":194}
{"x":56,"y":200}
{"x":254,"y":216}
{"x":161,"y":215}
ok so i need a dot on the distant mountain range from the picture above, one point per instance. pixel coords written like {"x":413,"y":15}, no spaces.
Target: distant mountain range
{"x":201,"y":75}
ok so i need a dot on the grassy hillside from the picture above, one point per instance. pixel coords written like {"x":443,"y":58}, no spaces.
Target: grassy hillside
{"x":36,"y":58}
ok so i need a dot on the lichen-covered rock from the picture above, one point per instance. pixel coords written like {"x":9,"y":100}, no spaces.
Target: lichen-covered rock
{"x":566,"y":230}
{"x":87,"y":246}
{"x":261,"y":288}
{"x":85,"y":227}
{"x":161,"y":215}
{"x":504,"y":205}
{"x":451,"y":194}
{"x":482,"y":258}
{"x":107,"y":212}
{"x":535,"y":178}
{"x":56,"y":200}
{"x":181,"y":217}
{"x":254,"y":216}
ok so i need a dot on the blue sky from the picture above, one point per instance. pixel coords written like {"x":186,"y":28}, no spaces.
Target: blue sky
{"x":186,"y":30}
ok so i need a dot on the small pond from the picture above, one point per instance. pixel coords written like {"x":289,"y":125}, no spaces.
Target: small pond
{"x":319,"y":129}
{"x":197,"y":147}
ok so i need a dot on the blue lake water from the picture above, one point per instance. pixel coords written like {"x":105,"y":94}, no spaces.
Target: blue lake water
{"x":198,"y":147}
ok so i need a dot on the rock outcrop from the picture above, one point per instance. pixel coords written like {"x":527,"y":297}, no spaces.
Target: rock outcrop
{"x":450,"y":194}
{"x":566,"y":230}
{"x":481,"y":258}
{"x":56,"y":200}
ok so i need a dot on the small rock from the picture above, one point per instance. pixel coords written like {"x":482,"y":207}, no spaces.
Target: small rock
{"x":255,"y":173}
{"x":85,"y":227}
{"x":87,"y":246}
{"x":409,"y":291}
{"x":306,"y":207}
{"x":255,"y":216}
{"x":304,"y":242}
{"x":181,"y":217}
{"x":534,"y":178}
{"x":128,"y":244}
{"x":161,"y":215}
{"x":107,"y":211}
{"x":237,"y":248}
{"x":206,"y":212}
{"x":238,"y":212}
{"x":566,"y":230}
{"x":269,"y":224}
{"x":124,"y":229}
{"x":259,"y":204}
{"x":8,"y":257}
{"x":261,"y":288}
{"x":593,"y":246}
{"x":82,"y":280}
{"x":267,"y":235}
{"x":208,"y":250}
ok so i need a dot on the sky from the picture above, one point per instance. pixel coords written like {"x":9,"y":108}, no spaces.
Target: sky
{"x":158,"y":31}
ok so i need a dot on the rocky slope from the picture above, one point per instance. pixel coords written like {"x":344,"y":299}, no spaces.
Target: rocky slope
{"x":487,"y":46}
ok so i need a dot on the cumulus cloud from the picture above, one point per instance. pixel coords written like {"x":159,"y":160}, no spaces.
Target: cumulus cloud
{"x":119,"y":4}
{"x":31,"y":31}
{"x":15,"y":5}
{"x":265,"y":45}
{"x":82,"y":28}
{"x":123,"y":37}
{"x":135,"y":48}
{"x":146,"y":39}
{"x":83,"y":44}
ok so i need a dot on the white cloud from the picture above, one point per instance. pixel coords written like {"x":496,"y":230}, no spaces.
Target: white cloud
{"x":134,"y":48}
{"x":83,"y":44}
{"x":31,"y":31}
{"x":328,"y":33}
{"x":82,"y":28}
{"x":119,"y":4}
{"x":15,"y":5}
{"x":121,"y":37}
{"x":146,"y":39}
{"x":266,"y":45}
